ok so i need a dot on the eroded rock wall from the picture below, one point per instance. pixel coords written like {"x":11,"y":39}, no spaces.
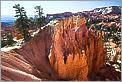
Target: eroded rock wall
{"x":77,"y":53}
{"x":66,"y":50}
{"x":35,"y":52}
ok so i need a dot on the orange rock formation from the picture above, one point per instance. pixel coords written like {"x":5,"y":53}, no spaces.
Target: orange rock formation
{"x":76,"y":53}
{"x":64,"y":51}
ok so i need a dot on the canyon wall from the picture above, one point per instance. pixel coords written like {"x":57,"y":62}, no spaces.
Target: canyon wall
{"x":35,"y":54}
{"x":65,"y":50}
{"x":77,"y":53}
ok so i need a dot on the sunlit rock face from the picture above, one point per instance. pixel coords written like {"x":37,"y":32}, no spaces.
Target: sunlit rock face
{"x":76,"y":52}
{"x":35,"y":54}
{"x":62,"y":50}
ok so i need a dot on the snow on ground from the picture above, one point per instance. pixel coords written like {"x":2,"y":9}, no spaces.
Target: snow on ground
{"x":36,"y":32}
{"x":52,"y":22}
{"x":20,"y":41}
{"x":5,"y":49}
{"x":17,"y":45}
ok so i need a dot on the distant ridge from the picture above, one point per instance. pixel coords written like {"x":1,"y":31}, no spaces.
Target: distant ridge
{"x":108,"y":10}
{"x":9,"y":19}
{"x":102,"y":10}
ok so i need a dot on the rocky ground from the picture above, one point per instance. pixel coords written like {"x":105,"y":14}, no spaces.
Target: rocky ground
{"x":64,"y":50}
{"x":81,"y":48}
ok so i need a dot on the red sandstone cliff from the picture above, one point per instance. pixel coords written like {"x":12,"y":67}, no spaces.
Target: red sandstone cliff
{"x":77,"y":53}
{"x":65,"y":51}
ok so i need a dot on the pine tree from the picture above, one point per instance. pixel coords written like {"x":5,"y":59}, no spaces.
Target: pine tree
{"x":22,"y":22}
{"x":7,"y":39}
{"x":88,"y":23}
{"x":32,"y":23}
{"x":39,"y":11}
{"x":40,"y":19}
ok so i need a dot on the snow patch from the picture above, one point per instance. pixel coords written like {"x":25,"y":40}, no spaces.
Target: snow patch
{"x":5,"y":49}
{"x":34,"y":33}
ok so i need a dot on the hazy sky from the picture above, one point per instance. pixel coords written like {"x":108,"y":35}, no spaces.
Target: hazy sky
{"x":51,"y":7}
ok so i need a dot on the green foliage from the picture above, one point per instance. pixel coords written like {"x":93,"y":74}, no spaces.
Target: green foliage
{"x":40,"y":20}
{"x":7,"y":40}
{"x":3,"y":43}
{"x":10,"y":40}
{"x":39,"y":11}
{"x":31,"y":23}
{"x":22,"y":22}
{"x":20,"y":12}
{"x":106,"y":37}
{"x":88,"y":24}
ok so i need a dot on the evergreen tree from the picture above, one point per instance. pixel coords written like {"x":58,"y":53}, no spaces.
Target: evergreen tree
{"x":40,"y":19}
{"x":32,"y":23}
{"x":7,"y":39}
{"x":39,"y":11}
{"x":88,"y":23}
{"x":22,"y":22}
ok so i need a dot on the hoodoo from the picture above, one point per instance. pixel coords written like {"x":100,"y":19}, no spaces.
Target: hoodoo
{"x":66,"y":50}
{"x":77,"y":53}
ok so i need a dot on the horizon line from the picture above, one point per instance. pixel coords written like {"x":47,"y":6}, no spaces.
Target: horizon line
{"x":66,"y":11}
